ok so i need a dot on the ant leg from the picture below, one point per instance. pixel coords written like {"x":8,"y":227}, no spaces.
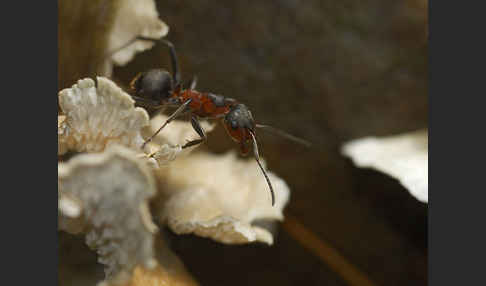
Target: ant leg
{"x":257,"y":158}
{"x":197,"y":126}
{"x":193,"y":84}
{"x":173,"y":58}
{"x":176,"y":113}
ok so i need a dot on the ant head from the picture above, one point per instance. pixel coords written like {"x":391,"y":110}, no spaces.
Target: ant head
{"x":240,"y":116}
{"x":155,"y":84}
{"x":239,"y":123}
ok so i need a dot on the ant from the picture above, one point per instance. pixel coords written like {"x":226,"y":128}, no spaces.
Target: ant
{"x":157,"y":88}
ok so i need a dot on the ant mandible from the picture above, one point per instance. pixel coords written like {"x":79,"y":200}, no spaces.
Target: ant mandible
{"x":157,"y":88}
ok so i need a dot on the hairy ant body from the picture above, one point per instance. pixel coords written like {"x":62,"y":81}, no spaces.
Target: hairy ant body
{"x":157,"y":88}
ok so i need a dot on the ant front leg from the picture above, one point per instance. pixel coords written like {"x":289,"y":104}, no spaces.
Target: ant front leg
{"x":197,"y":127}
{"x":173,"y":58}
{"x":176,"y":113}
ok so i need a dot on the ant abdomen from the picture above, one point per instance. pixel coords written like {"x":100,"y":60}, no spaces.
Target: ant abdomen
{"x":155,"y":84}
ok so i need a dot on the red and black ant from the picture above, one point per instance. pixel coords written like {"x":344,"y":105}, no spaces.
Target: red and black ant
{"x":157,"y":88}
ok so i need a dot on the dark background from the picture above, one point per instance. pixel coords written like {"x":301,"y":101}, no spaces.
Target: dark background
{"x":327,"y":71}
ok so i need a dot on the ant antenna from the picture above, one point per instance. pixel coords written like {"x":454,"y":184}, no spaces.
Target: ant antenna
{"x":257,"y":158}
{"x":114,"y":51}
{"x":173,"y":56}
{"x":284,"y":134}
{"x":193,"y":84}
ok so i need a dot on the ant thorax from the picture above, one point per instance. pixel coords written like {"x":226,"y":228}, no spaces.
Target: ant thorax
{"x":207,"y":105}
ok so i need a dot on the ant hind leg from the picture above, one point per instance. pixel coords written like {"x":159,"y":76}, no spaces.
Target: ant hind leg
{"x":180,"y":110}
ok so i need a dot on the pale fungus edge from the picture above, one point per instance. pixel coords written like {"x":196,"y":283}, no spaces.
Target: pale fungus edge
{"x":403,"y":157}
{"x":222,"y":199}
{"x":130,"y":21}
{"x":97,"y":115}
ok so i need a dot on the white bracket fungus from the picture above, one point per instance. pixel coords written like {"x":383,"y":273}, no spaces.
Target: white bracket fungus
{"x":105,"y":195}
{"x":219,"y":196}
{"x":132,"y":19}
{"x":404,"y":157}
{"x":95,"y":35}
{"x":97,"y":116}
